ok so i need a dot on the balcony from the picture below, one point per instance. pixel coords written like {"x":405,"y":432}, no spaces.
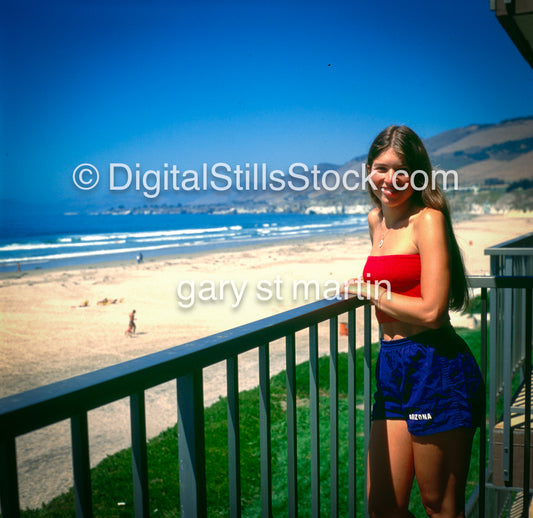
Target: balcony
{"x":516,"y":17}
{"x":506,"y":296}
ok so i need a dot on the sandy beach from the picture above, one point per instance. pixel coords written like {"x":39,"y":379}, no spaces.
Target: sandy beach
{"x":53,"y":326}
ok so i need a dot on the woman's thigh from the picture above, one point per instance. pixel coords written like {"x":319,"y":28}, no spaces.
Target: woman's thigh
{"x":390,"y":468}
{"x":441,"y":463}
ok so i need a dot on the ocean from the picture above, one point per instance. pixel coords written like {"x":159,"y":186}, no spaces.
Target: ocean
{"x":50,"y":241}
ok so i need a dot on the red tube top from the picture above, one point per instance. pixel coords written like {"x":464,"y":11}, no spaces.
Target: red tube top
{"x":401,"y":271}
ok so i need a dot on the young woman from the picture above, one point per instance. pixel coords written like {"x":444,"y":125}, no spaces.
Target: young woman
{"x":429,"y":389}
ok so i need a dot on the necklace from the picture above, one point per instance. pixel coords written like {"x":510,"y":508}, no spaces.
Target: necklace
{"x":383,"y":234}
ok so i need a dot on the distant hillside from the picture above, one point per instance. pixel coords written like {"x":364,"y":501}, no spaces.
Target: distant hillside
{"x":490,"y":160}
{"x":480,"y":151}
{"x":494,"y":163}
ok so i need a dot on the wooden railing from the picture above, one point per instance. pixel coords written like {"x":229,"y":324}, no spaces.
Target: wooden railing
{"x":74,"y":398}
{"x":504,"y":358}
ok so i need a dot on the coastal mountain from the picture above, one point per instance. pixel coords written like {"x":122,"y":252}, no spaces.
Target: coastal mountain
{"x":493,"y":161}
{"x":480,"y":152}
{"x":493,"y":151}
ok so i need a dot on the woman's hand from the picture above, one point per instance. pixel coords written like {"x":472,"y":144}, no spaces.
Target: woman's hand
{"x":364,"y":290}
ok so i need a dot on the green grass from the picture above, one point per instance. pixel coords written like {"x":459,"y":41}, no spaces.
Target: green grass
{"x":474,"y":305}
{"x":112,"y":478}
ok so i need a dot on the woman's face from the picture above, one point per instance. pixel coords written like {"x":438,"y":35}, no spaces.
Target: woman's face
{"x":390,"y":177}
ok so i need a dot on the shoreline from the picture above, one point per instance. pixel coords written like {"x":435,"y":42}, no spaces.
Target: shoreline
{"x":175,"y":256}
{"x":9,"y":270}
{"x":112,"y":240}
{"x":460,"y":223}
{"x":47,"y":335}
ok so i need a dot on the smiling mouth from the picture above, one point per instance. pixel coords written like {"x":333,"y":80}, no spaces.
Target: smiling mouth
{"x":389,"y":190}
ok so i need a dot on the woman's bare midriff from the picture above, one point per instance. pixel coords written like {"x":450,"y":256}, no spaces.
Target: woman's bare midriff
{"x":397,"y":330}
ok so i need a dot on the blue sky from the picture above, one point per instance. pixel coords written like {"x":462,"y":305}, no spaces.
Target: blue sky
{"x":189,"y":83}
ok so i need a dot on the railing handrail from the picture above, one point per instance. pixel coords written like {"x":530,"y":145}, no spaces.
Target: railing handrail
{"x":500,"y":281}
{"x":33,"y":409}
{"x":512,"y":247}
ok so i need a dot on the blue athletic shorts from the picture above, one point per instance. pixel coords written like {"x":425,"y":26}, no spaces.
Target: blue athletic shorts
{"x":431,"y":380}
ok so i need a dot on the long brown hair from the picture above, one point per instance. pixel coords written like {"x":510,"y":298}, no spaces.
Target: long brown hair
{"x":407,"y":144}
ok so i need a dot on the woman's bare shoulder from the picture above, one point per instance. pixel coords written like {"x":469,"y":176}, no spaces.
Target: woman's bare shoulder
{"x":429,"y":229}
{"x":427,"y":218}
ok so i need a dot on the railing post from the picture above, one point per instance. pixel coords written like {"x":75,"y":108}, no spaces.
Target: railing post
{"x":82,"y":467}
{"x":314,"y":420}
{"x":508,"y":377}
{"x":527,"y":404}
{"x":367,"y":391}
{"x":139,"y":455}
{"x":9,"y":493}
{"x":352,"y":433}
{"x":191,"y":445}
{"x":264,"y":432}
{"x":292,"y":457}
{"x":234,"y":451}
{"x":483,"y":424}
{"x":493,"y":374}
{"x":334,"y":416}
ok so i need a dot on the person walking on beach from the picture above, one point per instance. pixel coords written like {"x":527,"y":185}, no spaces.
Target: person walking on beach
{"x":131,"y":326}
{"x":429,"y":390}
